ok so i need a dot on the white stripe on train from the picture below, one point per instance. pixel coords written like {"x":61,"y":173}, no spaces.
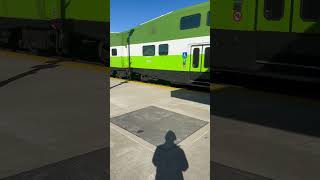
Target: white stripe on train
{"x":176,"y":47}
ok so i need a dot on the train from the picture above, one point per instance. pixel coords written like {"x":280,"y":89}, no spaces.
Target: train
{"x":57,"y":26}
{"x":174,"y":47}
{"x":266,"y":38}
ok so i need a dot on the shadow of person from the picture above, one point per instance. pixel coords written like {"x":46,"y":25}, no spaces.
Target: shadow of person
{"x":170,"y":159}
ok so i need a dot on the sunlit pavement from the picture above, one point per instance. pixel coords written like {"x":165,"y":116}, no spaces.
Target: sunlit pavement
{"x":141,"y":114}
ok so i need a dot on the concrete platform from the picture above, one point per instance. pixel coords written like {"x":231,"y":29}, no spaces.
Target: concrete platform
{"x":132,"y":156}
{"x":261,"y":135}
{"x":51,"y":110}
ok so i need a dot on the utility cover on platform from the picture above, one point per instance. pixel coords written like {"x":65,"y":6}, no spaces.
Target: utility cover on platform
{"x":152,"y":124}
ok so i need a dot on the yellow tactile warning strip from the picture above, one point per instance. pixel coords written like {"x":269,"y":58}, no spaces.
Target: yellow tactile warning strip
{"x":150,"y":84}
{"x":67,"y":62}
{"x":215,"y":87}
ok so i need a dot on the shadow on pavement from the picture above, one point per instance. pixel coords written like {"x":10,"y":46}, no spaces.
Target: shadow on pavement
{"x":170,"y":159}
{"x":93,"y":165}
{"x":222,"y":172}
{"x":124,"y":82}
{"x":34,"y":70}
{"x":293,"y":114}
{"x":195,"y":96}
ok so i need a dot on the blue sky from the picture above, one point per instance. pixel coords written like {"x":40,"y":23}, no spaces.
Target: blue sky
{"x":126,"y":14}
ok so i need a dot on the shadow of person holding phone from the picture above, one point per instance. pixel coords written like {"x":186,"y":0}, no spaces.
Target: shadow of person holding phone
{"x":170,"y":159}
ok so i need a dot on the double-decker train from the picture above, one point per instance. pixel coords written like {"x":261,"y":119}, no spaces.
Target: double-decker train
{"x":278,"y":38}
{"x":55,"y":25}
{"x":174,"y":47}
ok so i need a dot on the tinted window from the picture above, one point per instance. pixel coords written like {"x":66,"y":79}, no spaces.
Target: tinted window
{"x":114,"y":52}
{"x":237,"y":5}
{"x":273,"y":9}
{"x":189,"y":22}
{"x":310,"y":10}
{"x":149,"y":50}
{"x":196,"y":56}
{"x":207,"y":57}
{"x":163,"y":49}
{"x":208,"y":19}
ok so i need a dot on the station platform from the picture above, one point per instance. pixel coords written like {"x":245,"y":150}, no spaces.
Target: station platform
{"x":141,"y":116}
{"x":53,"y":118}
{"x":263,"y":135}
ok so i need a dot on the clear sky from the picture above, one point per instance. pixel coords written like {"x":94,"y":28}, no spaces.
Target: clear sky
{"x":126,"y":14}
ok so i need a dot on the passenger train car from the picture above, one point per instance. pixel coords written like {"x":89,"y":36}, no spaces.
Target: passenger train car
{"x":278,"y":38}
{"x":174,"y":47}
{"x":58,"y":25}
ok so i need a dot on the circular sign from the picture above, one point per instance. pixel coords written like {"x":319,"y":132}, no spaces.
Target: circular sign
{"x":237,"y":16}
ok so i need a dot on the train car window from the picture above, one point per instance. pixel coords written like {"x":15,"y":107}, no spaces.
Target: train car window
{"x":196,"y":56}
{"x":310,"y":10}
{"x":208,"y":19}
{"x":273,"y":9}
{"x":148,"y":50}
{"x":114,"y":52}
{"x":189,"y":22}
{"x":207,"y":57}
{"x":237,"y":5}
{"x":163,"y":49}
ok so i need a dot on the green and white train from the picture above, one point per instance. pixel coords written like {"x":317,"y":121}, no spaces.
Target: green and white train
{"x":174,"y":47}
{"x":273,"y":38}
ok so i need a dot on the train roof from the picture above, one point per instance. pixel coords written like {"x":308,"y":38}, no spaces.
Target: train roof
{"x":166,"y":27}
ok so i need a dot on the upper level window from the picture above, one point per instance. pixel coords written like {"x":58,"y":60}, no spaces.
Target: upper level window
{"x":310,"y":10}
{"x":189,"y":22}
{"x":273,"y":9}
{"x":163,"y":49}
{"x":114,"y":52}
{"x":148,"y":50}
{"x":208,"y":19}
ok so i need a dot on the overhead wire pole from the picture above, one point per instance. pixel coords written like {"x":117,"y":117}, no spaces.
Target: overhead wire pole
{"x":129,"y":60}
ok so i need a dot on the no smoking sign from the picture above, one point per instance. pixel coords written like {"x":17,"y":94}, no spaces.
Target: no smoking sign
{"x":237,"y":16}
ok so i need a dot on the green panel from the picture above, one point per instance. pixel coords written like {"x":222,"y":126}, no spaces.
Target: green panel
{"x":300,"y":25}
{"x":119,"y":62}
{"x":171,"y":63}
{"x":118,"y":39}
{"x":168,"y":27}
{"x":3,"y":8}
{"x":281,"y":25}
{"x":90,"y":10}
{"x":53,"y":9}
{"x":31,"y":9}
{"x":223,"y":15}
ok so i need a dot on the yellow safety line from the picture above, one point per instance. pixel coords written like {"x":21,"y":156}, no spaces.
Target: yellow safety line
{"x":215,"y":87}
{"x":66,"y":63}
{"x":149,"y":84}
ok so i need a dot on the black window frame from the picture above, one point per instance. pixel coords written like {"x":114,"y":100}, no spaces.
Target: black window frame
{"x":154,"y":50}
{"x":116,"y":52}
{"x":306,"y":19}
{"x":206,"y":61}
{"x":167,"y":52}
{"x":274,"y":19}
{"x":193,"y":27}
{"x":199,"y":57}
{"x":208,"y":19}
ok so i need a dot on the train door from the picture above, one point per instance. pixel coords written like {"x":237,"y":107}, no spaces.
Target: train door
{"x":273,"y":24}
{"x":306,"y":27}
{"x":199,"y":64}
